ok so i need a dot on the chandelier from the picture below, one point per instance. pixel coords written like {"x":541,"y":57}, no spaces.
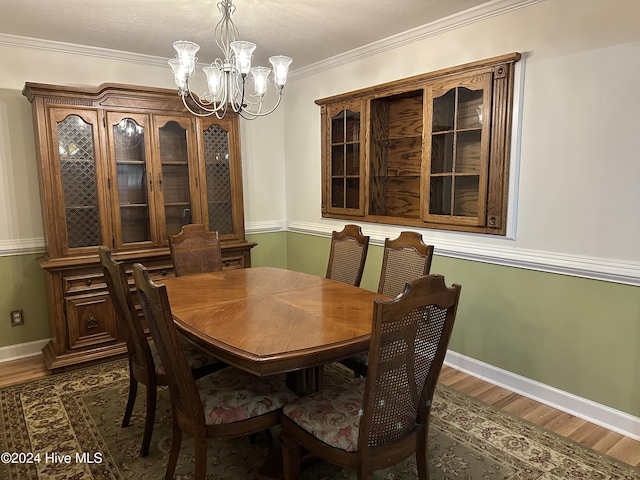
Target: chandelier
{"x":227,"y":78}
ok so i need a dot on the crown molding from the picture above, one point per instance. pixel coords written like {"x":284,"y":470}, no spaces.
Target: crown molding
{"x":472,"y":15}
{"x":452,"y":22}
{"x":81,"y":50}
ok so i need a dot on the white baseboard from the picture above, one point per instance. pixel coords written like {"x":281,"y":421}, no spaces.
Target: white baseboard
{"x":22,"y":350}
{"x":593,"y":412}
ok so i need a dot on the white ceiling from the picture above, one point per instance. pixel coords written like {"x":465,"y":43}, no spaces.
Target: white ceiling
{"x":307,"y":30}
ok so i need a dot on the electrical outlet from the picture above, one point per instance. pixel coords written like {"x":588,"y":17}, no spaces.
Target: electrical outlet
{"x":17,"y":318}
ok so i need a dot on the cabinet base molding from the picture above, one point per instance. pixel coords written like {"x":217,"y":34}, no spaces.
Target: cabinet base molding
{"x":67,"y":361}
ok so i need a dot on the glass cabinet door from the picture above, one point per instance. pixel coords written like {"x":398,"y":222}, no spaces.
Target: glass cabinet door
{"x":457,"y":151}
{"x":174,"y":176}
{"x":133,"y":195}
{"x":345,"y":166}
{"x":217,"y":165}
{"x":80,"y":211}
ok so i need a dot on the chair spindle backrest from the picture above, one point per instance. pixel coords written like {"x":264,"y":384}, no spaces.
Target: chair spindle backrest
{"x":347,"y":255}
{"x":408,"y":344}
{"x":195,"y":250}
{"x":404,"y":259}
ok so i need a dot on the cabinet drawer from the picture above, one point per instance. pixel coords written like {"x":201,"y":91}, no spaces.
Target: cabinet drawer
{"x":84,"y":283}
{"x":90,"y":321}
{"x":158,"y":273}
{"x":231,"y":263}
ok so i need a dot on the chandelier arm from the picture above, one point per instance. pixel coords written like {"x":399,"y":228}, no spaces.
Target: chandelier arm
{"x":249,"y":115}
{"x":208,"y":111}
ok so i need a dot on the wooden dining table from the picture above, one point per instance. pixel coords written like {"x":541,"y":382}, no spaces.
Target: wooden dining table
{"x":268,"y":320}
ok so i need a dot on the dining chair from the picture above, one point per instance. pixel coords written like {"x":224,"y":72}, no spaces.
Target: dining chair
{"x":195,"y":250}
{"x":404,"y":258}
{"x":145,"y":366}
{"x":377,"y":421}
{"x":227,"y":403}
{"x":347,"y":255}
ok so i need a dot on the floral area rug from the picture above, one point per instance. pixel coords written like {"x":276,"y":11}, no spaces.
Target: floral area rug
{"x":67,"y":427}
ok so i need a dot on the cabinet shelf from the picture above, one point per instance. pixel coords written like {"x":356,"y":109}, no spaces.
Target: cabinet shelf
{"x":175,"y":162}
{"x":80,"y":207}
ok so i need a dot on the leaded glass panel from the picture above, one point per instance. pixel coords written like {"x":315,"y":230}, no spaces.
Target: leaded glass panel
{"x":216,"y":154}
{"x":78,"y":176}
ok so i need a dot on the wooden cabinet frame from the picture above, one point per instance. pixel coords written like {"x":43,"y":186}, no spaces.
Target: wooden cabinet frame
{"x":78,"y":124}
{"x":415,"y":173}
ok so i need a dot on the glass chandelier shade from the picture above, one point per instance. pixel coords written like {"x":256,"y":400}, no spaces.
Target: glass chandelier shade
{"x":227,"y":78}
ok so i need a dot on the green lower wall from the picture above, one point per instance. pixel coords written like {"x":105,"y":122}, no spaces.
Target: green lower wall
{"x":22,"y":287}
{"x":270,"y":251}
{"x":580,"y":336}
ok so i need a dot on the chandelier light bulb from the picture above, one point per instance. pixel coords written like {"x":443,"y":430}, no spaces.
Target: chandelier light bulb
{"x":243,"y":53}
{"x":260,"y":79}
{"x":280,"y":69}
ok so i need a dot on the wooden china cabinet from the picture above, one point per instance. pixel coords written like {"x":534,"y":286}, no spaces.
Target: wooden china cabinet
{"x":429,"y":151}
{"x":124,"y":166}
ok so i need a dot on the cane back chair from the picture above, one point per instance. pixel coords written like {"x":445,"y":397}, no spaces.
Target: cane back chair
{"x":227,"y":403}
{"x":404,"y":259}
{"x":195,"y":250}
{"x":145,"y":366}
{"x":377,"y":421}
{"x":347,"y":255}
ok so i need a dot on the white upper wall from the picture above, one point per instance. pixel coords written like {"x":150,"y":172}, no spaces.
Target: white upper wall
{"x":577,"y":188}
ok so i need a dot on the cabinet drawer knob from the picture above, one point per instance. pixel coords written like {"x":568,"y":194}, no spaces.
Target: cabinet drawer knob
{"x":227,"y":263}
{"x":88,"y":282}
{"x":92,"y":323}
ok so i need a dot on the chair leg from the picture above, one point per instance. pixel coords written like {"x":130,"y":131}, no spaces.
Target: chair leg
{"x":131,"y":399}
{"x":149,"y":420}
{"x":200,"y":454}
{"x":176,"y":440}
{"x":290,"y":457}
{"x":422,"y":457}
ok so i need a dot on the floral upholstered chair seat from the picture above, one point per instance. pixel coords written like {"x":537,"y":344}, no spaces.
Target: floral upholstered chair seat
{"x":231,"y":395}
{"x":331,"y":415}
{"x":196,"y":357}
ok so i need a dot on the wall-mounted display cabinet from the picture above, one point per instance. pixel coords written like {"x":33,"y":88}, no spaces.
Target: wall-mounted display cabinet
{"x":428,"y":151}
{"x":124,"y":166}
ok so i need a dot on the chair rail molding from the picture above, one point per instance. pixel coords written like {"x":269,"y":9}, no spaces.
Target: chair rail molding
{"x":21,"y":246}
{"x":595,"y":268}
{"x":271,"y":226}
